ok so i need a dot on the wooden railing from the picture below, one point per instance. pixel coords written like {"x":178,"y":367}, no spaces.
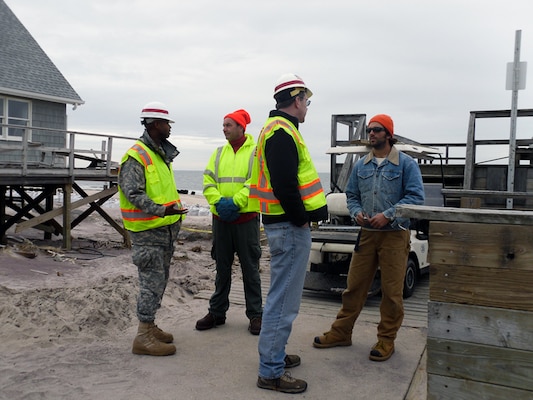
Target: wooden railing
{"x":524,"y":146}
{"x":71,"y":153}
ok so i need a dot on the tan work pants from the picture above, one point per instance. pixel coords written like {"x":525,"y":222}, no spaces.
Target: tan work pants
{"x":388,"y":250}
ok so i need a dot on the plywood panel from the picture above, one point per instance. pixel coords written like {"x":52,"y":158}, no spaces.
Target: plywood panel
{"x":453,"y":214}
{"x":491,"y":287}
{"x":475,"y":362}
{"x":446,"y":388}
{"x":483,"y":325}
{"x":481,"y":245}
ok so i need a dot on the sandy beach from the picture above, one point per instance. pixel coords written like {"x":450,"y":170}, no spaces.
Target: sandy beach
{"x":67,"y":314}
{"x":68,"y":321}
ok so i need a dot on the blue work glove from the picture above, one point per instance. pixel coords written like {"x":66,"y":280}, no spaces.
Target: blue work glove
{"x":224,"y":209}
{"x":233,"y":216}
{"x":234,"y":211}
{"x":227,"y":210}
{"x":221,"y":205}
{"x":232,"y":206}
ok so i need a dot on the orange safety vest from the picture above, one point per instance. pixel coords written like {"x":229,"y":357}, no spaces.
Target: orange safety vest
{"x":309,"y":184}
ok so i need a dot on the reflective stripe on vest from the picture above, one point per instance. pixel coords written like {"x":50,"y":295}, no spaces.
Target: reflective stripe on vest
{"x":139,"y":215}
{"x":163,"y":193}
{"x":143,"y":154}
{"x":229,"y":173}
{"x":228,"y":179}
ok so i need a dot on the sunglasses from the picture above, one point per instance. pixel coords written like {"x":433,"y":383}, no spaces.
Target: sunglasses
{"x":307,"y":101}
{"x":376,"y":129}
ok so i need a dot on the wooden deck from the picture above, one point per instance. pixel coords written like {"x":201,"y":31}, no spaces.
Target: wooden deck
{"x":33,"y":173}
{"x":28,"y":202}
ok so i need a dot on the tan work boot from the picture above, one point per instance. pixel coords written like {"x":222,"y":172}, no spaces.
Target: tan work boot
{"x":330,"y":339}
{"x":161,"y":335}
{"x":145,"y":342}
{"x":382,"y":350}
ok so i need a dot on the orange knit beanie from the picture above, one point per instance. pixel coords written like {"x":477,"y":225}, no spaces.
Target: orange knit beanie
{"x":385,"y":121}
{"x":241,"y":117}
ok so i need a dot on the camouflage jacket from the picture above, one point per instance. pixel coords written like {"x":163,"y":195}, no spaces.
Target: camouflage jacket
{"x":132,"y":182}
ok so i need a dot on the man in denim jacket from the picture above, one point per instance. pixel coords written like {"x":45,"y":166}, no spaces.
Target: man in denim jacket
{"x":379,"y":182}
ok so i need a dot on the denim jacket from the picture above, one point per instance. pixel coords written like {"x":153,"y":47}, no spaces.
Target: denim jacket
{"x":373,"y":189}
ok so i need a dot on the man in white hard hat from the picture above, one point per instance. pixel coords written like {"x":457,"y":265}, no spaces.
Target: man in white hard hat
{"x":290,"y":195}
{"x":152,"y":213}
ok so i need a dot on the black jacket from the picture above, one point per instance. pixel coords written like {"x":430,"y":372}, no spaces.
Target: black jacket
{"x":282,"y":161}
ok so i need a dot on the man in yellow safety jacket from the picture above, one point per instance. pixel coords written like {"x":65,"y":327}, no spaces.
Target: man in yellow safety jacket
{"x":152,"y":213}
{"x":235,"y":223}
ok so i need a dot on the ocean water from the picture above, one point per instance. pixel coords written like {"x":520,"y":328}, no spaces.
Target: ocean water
{"x":192,"y":181}
{"x":189,"y":182}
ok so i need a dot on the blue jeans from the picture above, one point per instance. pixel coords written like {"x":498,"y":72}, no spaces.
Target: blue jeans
{"x":289,"y":251}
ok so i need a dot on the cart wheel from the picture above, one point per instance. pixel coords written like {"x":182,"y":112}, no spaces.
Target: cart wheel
{"x":411,"y":277}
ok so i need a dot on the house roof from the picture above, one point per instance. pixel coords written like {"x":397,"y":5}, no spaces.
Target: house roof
{"x":26,"y":70}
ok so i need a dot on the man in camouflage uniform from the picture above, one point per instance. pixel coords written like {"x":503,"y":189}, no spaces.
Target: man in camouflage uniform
{"x":152,"y":213}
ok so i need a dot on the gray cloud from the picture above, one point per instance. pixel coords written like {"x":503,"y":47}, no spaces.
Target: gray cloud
{"x":427,"y":64}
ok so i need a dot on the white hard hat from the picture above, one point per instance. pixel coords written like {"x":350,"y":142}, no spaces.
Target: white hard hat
{"x":156,"y":110}
{"x":288,"y":81}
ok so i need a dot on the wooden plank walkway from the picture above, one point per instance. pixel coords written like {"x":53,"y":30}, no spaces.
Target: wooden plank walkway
{"x":327,"y":305}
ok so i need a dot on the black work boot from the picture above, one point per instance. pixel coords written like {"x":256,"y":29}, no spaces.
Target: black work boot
{"x":285,"y":383}
{"x":209,"y":321}
{"x":255,"y":326}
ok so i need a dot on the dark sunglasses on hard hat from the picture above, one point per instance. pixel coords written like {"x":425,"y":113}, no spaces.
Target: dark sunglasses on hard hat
{"x":376,"y":129}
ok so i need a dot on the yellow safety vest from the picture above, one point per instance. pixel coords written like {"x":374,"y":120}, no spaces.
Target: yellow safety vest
{"x":160,"y":187}
{"x":228,"y":174}
{"x":309,"y":184}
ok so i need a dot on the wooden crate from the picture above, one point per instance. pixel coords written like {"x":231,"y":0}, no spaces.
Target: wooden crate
{"x":480,"y":314}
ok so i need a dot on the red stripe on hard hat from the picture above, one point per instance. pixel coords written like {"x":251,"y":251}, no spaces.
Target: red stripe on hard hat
{"x":157,"y":110}
{"x":282,"y":85}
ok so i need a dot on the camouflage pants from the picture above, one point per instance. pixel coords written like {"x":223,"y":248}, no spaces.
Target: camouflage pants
{"x":153,"y":264}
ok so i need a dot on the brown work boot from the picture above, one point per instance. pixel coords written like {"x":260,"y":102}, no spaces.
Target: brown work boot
{"x":209,"y":321}
{"x":285,"y":383}
{"x":146,"y":344}
{"x":161,"y":335}
{"x":329,"y":339}
{"x":382,"y":350}
{"x":255,"y":326}
{"x":292,"y":360}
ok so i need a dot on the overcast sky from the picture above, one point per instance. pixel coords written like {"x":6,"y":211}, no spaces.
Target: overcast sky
{"x":425,"y":63}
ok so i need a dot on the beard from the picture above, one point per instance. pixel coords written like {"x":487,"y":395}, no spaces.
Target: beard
{"x":378,"y":144}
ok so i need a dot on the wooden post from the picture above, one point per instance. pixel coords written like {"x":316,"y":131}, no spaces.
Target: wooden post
{"x":3,"y":216}
{"x":67,"y":209}
{"x":470,"y":202}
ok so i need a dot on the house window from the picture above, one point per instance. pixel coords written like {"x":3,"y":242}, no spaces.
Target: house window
{"x":14,"y":112}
